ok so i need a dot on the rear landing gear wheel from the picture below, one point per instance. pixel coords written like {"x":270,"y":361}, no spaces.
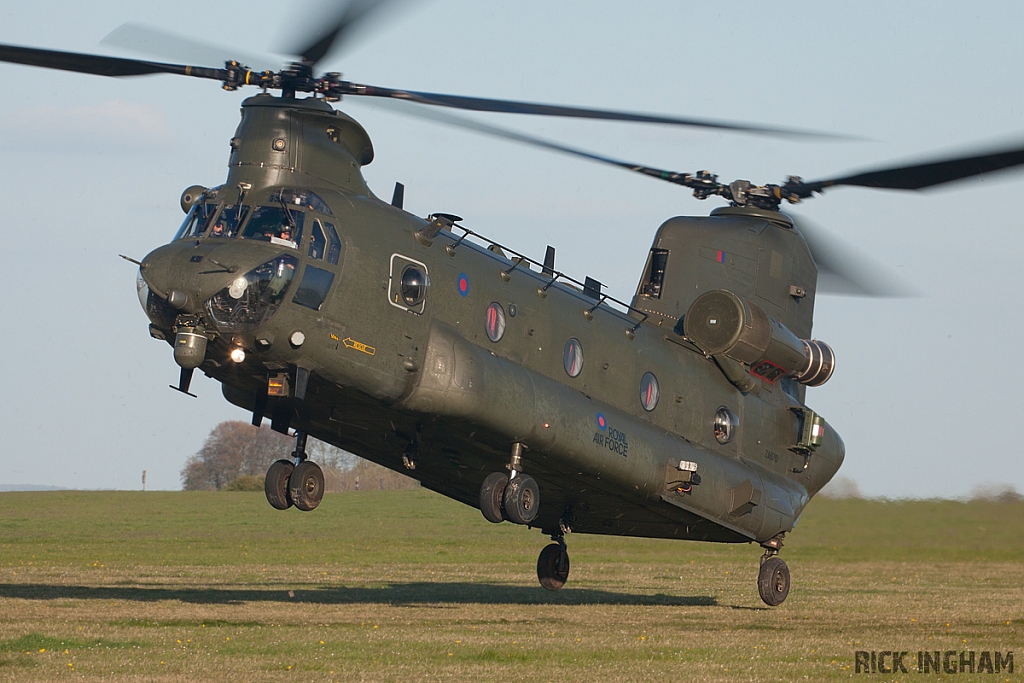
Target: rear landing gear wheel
{"x":492,"y":493}
{"x":522,"y":499}
{"x":306,"y":485}
{"x":276,"y":484}
{"x":553,"y":566}
{"x":773,"y":581}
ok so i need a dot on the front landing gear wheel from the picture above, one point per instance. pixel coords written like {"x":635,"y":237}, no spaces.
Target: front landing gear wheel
{"x":773,"y":581}
{"x":522,"y":499}
{"x":306,"y":485}
{"x":492,"y":493}
{"x":276,"y":484}
{"x":553,"y":566}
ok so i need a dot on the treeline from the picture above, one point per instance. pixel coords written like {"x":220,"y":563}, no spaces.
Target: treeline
{"x":236,"y":455}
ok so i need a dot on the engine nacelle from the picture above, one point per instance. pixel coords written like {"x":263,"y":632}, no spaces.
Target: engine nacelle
{"x":722,"y":323}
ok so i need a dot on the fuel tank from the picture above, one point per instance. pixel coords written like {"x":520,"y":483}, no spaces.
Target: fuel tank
{"x":612,"y":450}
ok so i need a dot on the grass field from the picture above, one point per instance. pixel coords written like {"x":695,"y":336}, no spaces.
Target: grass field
{"x":406,"y":585}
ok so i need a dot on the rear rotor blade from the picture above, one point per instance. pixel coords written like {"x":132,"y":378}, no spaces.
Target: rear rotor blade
{"x":538,"y":109}
{"x":844,"y":270}
{"x":100,"y":65}
{"x":929,"y":174}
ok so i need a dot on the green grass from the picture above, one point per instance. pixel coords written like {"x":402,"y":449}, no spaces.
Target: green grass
{"x":401,"y":585}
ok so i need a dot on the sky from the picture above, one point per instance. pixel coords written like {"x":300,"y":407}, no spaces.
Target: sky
{"x":927,"y":389}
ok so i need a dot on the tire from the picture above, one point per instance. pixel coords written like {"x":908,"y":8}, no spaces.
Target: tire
{"x":306,"y":485}
{"x":522,"y":499}
{"x":553,"y":567}
{"x":276,"y":484}
{"x":773,"y":581}
{"x":492,"y":493}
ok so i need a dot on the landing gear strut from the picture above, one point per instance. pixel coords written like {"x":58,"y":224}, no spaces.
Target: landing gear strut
{"x":773,"y":577}
{"x":300,"y":484}
{"x":553,"y":564}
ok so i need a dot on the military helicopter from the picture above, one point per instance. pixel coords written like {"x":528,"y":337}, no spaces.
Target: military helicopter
{"x":495,"y":379}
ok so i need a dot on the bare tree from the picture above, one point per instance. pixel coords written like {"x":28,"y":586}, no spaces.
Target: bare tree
{"x":236,"y":455}
{"x":233,"y":449}
{"x":367,"y":476}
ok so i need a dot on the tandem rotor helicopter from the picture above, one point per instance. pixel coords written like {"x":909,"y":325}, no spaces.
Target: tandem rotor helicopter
{"x":493,"y":378}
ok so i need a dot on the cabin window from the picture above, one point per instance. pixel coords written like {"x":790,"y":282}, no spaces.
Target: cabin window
{"x":313,"y":289}
{"x":726,"y":423}
{"x":494,"y":321}
{"x":414,"y":286}
{"x":655,"y":275}
{"x":572,"y":357}
{"x":649,"y":392}
{"x":408,"y":284}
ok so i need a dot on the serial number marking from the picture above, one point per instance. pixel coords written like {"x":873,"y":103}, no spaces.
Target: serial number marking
{"x":770,"y":455}
{"x":358,"y":346}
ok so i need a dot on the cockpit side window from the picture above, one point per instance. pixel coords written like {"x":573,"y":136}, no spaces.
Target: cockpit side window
{"x":197,"y":220}
{"x":317,"y":242}
{"x":334,"y":251}
{"x":276,"y":224}
{"x":226,"y":225}
{"x":655,"y":276}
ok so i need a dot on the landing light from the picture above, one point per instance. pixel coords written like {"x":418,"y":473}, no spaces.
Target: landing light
{"x":237,"y":355}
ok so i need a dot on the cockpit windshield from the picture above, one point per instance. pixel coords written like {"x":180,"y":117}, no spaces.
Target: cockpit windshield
{"x":294,"y":197}
{"x":280,"y":225}
{"x":231,"y":216}
{"x":197,"y":220}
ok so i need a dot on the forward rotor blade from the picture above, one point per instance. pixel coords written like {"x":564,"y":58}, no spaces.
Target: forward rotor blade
{"x":538,"y":109}
{"x":316,"y":46}
{"x":100,"y":65}
{"x":929,"y":174}
{"x":504,"y":133}
{"x":844,"y":270}
{"x":152,"y":41}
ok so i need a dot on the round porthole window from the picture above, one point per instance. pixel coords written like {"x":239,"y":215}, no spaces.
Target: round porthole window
{"x":414,"y":286}
{"x":726,"y":423}
{"x":572,"y":357}
{"x":495,"y":322}
{"x":649,"y":391}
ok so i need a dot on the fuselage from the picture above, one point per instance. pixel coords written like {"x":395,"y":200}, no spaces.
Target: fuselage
{"x":395,"y":342}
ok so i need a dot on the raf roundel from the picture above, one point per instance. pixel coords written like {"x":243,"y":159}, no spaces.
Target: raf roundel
{"x":462,"y":284}
{"x":601,"y":422}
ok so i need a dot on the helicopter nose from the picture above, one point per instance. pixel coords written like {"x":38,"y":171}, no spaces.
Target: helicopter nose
{"x":184,"y":273}
{"x":160,"y":271}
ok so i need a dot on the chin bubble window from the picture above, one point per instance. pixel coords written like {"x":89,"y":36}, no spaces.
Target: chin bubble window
{"x":249,"y":300}
{"x":572,"y":357}
{"x":649,"y":392}
{"x":313,"y":289}
{"x":495,"y":322}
